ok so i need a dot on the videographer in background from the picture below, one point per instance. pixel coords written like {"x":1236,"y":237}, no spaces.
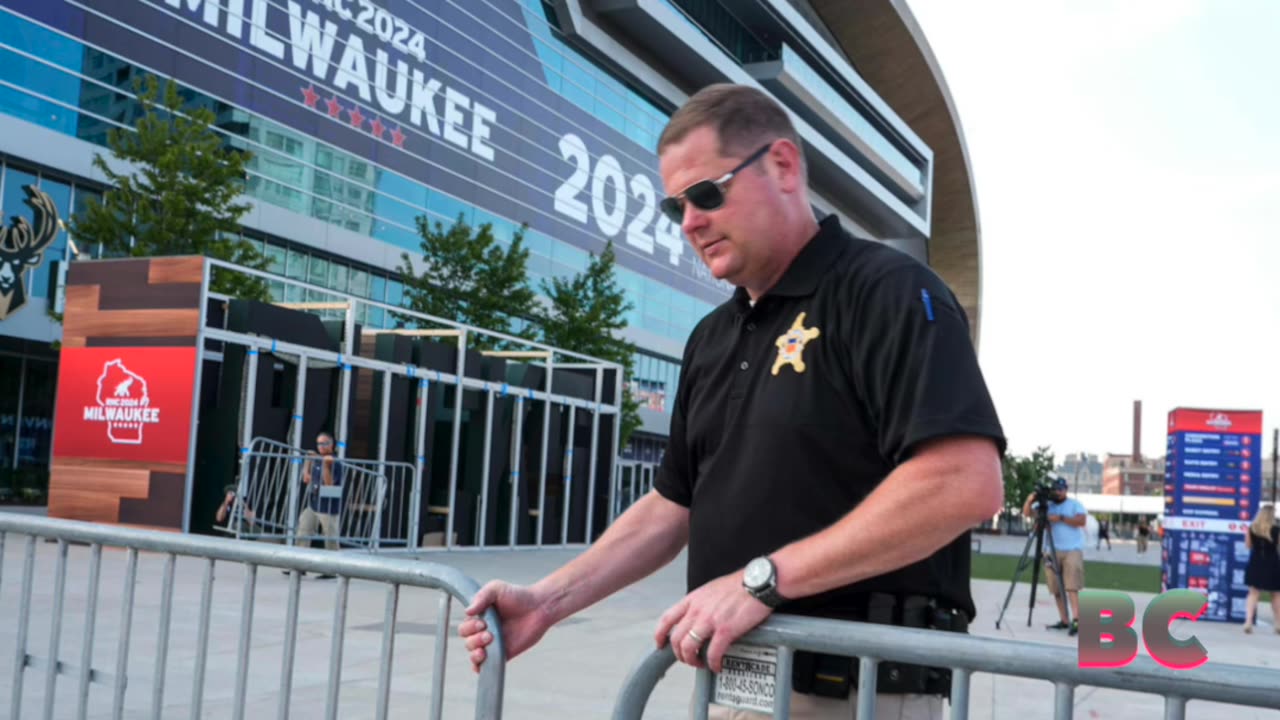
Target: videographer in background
{"x":1067,"y":519}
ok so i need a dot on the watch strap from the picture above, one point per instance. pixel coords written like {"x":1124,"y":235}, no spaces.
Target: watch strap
{"x":768,"y":595}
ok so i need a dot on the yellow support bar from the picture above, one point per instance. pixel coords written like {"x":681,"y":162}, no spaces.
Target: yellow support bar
{"x":517,"y":353}
{"x":431,"y":332}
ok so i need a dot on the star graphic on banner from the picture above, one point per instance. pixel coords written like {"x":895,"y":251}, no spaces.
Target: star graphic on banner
{"x":310,"y":97}
{"x":397,"y":137}
{"x":377,"y":128}
{"x":357,"y":117}
{"x":335,"y":107}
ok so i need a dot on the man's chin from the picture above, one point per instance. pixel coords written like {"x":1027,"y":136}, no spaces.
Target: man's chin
{"x":722,"y":269}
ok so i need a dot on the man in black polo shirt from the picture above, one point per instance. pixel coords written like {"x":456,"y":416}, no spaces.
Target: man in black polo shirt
{"x":832,"y":440}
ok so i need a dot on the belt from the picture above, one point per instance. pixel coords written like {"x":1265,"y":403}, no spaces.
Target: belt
{"x":835,"y":675}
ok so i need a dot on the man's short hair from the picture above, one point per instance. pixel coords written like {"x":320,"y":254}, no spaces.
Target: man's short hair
{"x":742,"y":117}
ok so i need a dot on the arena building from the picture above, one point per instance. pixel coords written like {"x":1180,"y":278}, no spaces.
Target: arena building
{"x":363,"y":115}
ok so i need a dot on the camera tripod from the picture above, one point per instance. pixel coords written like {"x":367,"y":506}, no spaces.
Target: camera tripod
{"x":1037,"y":537}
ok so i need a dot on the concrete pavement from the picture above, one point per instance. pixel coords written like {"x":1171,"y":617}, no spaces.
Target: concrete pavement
{"x":575,"y":672}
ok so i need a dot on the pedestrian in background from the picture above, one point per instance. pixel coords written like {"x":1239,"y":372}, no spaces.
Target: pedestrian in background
{"x":1263,"y":571}
{"x":1144,"y":531}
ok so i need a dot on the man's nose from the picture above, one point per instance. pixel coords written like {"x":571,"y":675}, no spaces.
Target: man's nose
{"x":694,"y":220}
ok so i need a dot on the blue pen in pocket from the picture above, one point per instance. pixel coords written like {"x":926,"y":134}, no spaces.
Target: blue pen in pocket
{"x":928,"y":304}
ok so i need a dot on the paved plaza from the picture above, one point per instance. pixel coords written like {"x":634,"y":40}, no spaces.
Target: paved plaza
{"x":575,"y":672}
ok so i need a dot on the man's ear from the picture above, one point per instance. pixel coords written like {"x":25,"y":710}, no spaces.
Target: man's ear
{"x":788,"y":163}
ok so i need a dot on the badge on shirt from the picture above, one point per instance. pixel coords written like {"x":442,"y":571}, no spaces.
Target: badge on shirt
{"x":791,"y":345}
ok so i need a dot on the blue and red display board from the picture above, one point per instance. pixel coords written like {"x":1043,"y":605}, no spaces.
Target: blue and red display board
{"x":1213,"y":485}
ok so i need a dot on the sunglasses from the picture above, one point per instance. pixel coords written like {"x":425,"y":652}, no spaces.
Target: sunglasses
{"x":706,"y":194}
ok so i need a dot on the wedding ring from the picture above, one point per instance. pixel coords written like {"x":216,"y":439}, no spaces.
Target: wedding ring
{"x":695,"y":637}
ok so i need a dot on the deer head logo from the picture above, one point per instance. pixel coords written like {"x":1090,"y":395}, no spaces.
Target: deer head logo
{"x":23,"y":247}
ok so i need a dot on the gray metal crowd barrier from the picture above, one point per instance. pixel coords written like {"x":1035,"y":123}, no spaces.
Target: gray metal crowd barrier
{"x":965,"y":655}
{"x":377,"y":499}
{"x":37,"y":666}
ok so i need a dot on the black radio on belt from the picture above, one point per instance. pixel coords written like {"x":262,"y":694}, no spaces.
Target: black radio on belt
{"x":834,"y":676}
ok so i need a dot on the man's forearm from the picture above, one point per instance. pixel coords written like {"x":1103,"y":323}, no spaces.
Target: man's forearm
{"x":923,"y":505}
{"x":646,"y":537}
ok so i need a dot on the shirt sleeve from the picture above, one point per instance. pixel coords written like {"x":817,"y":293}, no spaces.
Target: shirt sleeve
{"x":915,"y":365}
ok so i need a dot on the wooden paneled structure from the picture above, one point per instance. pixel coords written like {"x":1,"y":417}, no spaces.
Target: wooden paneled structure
{"x":126,"y":303}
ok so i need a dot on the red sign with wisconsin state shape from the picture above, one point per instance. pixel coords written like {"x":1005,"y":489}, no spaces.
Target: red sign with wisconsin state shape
{"x":125,"y":403}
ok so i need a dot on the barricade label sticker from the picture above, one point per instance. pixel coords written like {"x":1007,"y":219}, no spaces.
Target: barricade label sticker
{"x":746,"y":678}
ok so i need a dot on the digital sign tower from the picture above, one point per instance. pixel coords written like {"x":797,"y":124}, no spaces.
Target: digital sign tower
{"x":1213,"y":486}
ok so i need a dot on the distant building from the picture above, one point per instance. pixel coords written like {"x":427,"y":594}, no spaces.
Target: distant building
{"x":1083,"y":471}
{"x":1123,"y":475}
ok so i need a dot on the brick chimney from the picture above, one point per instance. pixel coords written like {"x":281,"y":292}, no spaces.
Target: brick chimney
{"x":1137,"y":431}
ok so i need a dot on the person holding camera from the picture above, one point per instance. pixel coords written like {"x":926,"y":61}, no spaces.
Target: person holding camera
{"x":836,"y":393}
{"x":1066,"y":518}
{"x":322,"y":472}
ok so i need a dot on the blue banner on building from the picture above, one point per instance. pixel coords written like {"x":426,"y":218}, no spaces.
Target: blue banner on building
{"x":456,"y":96}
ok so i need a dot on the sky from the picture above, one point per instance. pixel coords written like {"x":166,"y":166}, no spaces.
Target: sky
{"x":1126,"y":156}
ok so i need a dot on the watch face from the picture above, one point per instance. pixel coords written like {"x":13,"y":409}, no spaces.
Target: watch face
{"x":757,"y":573}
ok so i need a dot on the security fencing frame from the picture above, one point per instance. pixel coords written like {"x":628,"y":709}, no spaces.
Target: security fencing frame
{"x":632,"y":480}
{"x":375,"y":495}
{"x":965,"y":655}
{"x":394,"y":572}
{"x":348,"y":358}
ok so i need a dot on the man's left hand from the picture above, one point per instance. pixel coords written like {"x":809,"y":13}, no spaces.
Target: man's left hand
{"x":718,"y":613}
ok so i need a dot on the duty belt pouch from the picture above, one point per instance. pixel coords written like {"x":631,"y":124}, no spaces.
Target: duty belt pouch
{"x":835,"y":677}
{"x":829,"y":676}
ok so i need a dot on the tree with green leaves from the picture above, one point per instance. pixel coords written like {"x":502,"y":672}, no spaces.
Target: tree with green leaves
{"x":587,"y":314}
{"x":1021,"y":475}
{"x":174,"y":187}
{"x":468,"y":277}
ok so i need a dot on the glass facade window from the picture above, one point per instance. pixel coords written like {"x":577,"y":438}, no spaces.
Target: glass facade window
{"x":715,"y":21}
{"x":583,"y":82}
{"x":654,"y":381}
{"x":27,"y":386}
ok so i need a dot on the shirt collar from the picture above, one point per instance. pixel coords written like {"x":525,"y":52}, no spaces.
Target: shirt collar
{"x":813,"y":261}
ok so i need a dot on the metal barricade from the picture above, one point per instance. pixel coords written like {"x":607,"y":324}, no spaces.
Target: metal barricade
{"x":203,"y":657}
{"x":632,"y":480}
{"x":377,"y":499}
{"x":965,"y":655}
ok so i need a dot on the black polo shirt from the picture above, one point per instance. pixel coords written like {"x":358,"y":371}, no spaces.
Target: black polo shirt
{"x":775,"y":437}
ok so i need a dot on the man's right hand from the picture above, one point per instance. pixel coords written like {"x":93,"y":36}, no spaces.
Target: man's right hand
{"x":523,"y":615}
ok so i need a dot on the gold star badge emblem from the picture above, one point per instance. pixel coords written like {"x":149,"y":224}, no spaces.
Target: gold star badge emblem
{"x":791,"y":345}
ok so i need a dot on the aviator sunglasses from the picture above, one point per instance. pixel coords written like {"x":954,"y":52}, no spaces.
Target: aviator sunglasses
{"x":705,"y":194}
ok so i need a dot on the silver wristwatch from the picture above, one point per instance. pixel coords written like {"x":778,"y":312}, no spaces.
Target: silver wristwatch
{"x":760,"y":578}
